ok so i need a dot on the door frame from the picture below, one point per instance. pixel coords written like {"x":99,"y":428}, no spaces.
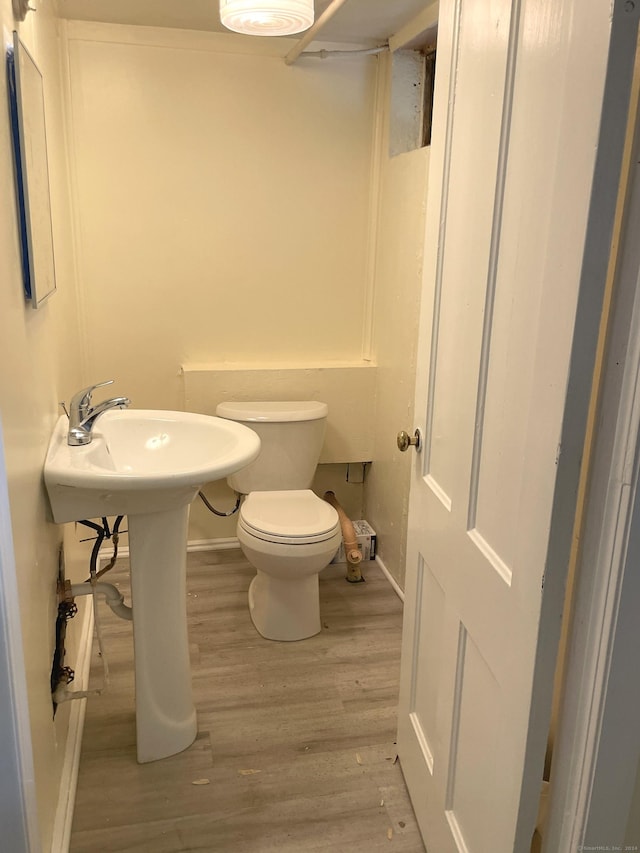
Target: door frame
{"x":17,"y":782}
{"x":597,"y":751}
{"x":598,"y":247}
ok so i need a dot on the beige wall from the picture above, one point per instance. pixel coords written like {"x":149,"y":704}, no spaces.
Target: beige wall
{"x":223,"y":203}
{"x":39,"y":363}
{"x":223,"y":206}
{"x":403,"y":188}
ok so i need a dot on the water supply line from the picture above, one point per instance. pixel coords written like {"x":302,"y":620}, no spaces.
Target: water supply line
{"x":103,"y":532}
{"x":326,"y":54}
{"x":351,"y":550}
{"x":114,"y":599}
{"x":220,"y":512}
{"x":312,"y":33}
{"x":62,"y":692}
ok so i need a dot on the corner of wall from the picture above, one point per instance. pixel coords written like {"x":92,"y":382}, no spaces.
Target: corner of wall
{"x":402,"y":188}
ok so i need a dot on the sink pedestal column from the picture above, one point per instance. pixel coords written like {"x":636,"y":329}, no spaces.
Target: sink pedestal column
{"x":165,"y":713}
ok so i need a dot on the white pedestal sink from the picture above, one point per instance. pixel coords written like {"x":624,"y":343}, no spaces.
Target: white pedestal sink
{"x":149,"y":465}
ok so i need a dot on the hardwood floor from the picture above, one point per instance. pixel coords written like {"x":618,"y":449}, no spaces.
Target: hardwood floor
{"x":295,"y":749}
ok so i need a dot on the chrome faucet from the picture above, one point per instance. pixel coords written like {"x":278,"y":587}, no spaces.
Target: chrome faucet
{"x":82,"y":415}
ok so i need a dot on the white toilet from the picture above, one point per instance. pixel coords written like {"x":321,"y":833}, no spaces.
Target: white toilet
{"x":286,"y":531}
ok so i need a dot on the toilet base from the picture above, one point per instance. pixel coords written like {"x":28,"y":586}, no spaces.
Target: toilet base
{"x":285,"y":609}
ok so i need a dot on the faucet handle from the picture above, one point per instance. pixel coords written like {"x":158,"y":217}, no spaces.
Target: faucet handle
{"x":81,"y":401}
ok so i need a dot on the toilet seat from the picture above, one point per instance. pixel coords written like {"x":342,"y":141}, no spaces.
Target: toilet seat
{"x":297,"y":517}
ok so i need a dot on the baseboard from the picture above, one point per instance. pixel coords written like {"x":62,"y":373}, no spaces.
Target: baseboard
{"x":225,"y":544}
{"x":192,"y":545}
{"x":385,"y":571}
{"x":71,"y":763}
{"x":232,"y":542}
{"x":213,"y":544}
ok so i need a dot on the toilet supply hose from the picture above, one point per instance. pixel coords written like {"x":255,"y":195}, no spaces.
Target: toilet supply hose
{"x":217,"y":511}
{"x":353,"y":554}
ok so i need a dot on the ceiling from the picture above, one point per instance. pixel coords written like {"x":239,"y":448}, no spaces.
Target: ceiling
{"x":357,"y":21}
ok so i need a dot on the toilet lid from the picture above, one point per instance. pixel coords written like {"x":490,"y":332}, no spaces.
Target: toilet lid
{"x":294,"y":515}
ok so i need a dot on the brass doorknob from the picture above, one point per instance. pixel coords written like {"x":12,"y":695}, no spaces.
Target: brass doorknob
{"x":405,"y":441}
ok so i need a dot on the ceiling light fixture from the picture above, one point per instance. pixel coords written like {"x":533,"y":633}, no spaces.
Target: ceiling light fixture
{"x":266,"y":17}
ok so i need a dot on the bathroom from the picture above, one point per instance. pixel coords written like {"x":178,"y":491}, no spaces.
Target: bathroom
{"x":209,"y":144}
{"x":192,"y":173}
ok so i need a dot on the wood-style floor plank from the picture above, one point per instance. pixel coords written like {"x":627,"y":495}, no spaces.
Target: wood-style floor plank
{"x":296,"y":741}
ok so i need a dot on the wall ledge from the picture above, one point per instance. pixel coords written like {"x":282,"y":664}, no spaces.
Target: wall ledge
{"x":348,"y":388}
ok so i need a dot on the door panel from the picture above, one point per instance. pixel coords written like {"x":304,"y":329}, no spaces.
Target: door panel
{"x":517,"y":109}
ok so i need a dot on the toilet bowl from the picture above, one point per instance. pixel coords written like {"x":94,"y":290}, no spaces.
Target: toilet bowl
{"x":288,"y":537}
{"x":286,"y":531}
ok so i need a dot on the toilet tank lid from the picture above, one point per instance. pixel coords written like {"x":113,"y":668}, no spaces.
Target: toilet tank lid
{"x":278,"y":412}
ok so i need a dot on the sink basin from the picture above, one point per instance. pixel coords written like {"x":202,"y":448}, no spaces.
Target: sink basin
{"x":142,"y":461}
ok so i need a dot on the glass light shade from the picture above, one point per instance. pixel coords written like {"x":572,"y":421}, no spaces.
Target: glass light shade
{"x":266,"y":17}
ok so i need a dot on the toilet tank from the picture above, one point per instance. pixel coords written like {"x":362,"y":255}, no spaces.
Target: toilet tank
{"x":291,"y":436}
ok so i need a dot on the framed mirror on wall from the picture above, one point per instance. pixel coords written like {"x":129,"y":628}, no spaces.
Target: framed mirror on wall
{"x":26,"y":97}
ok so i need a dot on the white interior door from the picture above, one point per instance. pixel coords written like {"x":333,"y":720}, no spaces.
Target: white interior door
{"x":519,"y":97}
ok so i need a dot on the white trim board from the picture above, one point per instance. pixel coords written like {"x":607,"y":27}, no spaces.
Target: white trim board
{"x":196,"y":545}
{"x":396,"y":587}
{"x":232,"y":542}
{"x":597,"y":750}
{"x":213,"y":544}
{"x":192,"y":546}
